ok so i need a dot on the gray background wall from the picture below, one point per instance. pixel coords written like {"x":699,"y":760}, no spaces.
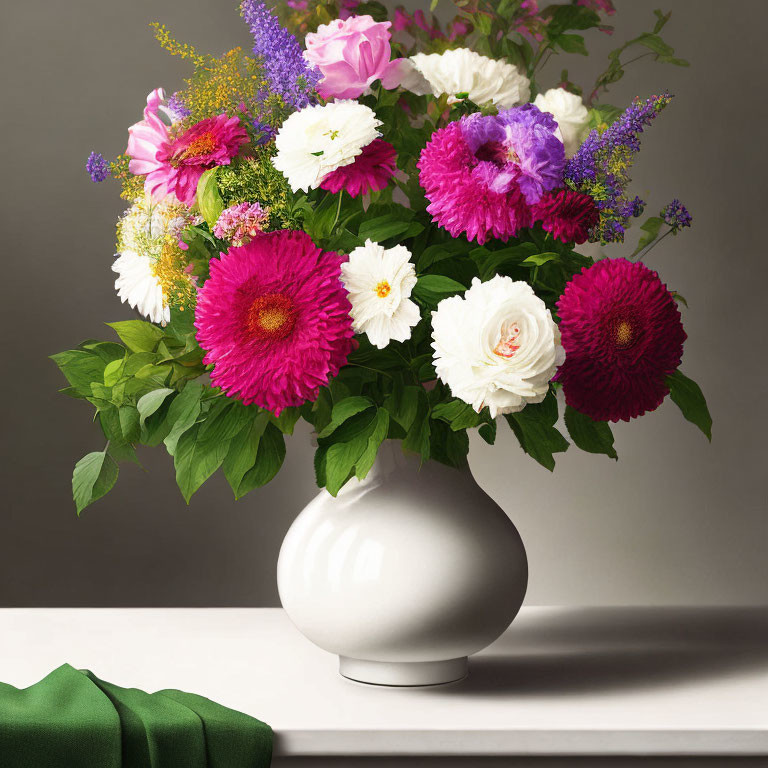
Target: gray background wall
{"x":674,"y":521}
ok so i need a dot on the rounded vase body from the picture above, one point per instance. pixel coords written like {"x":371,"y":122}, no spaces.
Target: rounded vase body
{"x":404,"y":574}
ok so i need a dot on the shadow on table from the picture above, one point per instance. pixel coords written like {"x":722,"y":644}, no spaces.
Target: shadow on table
{"x":592,"y":650}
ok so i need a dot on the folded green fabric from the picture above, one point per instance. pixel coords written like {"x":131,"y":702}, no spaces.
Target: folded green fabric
{"x":72,"y":719}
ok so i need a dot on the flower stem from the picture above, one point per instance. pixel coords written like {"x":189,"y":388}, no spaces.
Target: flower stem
{"x":653,"y":245}
{"x":338,"y":211}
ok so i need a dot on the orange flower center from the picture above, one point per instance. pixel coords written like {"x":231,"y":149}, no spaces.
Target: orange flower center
{"x":271,"y":316}
{"x":204,"y":144}
{"x":383,"y":289}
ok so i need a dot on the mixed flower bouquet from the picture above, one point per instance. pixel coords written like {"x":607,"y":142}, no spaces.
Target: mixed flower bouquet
{"x":376,"y":233}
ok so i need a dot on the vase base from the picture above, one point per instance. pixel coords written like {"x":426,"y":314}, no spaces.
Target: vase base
{"x":404,"y":673}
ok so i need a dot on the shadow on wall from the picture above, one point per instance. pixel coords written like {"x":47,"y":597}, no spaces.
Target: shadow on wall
{"x":586,"y":651}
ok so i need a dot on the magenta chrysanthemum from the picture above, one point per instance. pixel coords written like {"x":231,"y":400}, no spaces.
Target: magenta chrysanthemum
{"x":622,"y":335}
{"x":274,"y":320}
{"x":567,"y":215}
{"x":239,"y":223}
{"x":482,"y":173}
{"x":371,"y":170}
{"x":174,"y":166}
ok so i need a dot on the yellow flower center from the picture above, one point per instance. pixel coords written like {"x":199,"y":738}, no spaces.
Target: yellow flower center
{"x":204,"y":144}
{"x":623,"y":334}
{"x":383,"y":289}
{"x":271,"y":316}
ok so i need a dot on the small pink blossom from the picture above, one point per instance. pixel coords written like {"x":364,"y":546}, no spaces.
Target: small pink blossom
{"x":240,"y":223}
{"x":351,"y":54}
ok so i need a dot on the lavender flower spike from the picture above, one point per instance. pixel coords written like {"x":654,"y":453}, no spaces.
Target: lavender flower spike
{"x":288,"y":73}
{"x":97,"y":167}
{"x":676,"y":216}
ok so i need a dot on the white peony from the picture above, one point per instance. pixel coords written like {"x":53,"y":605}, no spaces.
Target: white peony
{"x":318,"y":139}
{"x":461,"y":73}
{"x":496,"y":345}
{"x":570,"y":113}
{"x":379,"y":282}
{"x":138,"y":286}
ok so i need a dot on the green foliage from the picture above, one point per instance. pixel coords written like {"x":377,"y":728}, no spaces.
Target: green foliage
{"x":534,"y":428}
{"x":94,"y":475}
{"x":209,"y":199}
{"x":688,"y":397}
{"x":589,"y":435}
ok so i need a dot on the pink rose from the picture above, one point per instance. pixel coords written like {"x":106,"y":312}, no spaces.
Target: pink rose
{"x":351,"y":54}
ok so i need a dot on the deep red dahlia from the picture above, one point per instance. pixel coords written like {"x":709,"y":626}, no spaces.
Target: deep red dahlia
{"x":371,"y":170}
{"x":568,"y":215}
{"x":622,"y":335}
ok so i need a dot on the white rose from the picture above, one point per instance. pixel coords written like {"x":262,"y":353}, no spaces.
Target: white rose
{"x":570,"y":114}
{"x":496,"y":346}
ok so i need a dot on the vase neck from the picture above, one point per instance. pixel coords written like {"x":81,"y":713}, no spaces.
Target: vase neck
{"x":392,"y":460}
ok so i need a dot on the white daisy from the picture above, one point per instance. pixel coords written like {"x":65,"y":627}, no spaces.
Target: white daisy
{"x":496,"y":346}
{"x":138,"y":286}
{"x":570,"y":114}
{"x":461,"y":73}
{"x":379,"y":282}
{"x":318,"y":139}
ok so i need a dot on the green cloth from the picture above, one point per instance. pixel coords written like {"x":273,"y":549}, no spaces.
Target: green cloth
{"x":71,"y":719}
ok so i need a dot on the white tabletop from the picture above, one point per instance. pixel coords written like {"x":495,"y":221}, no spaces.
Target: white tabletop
{"x":612,"y":681}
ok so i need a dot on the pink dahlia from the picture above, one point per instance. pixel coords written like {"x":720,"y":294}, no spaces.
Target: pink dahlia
{"x":568,"y":215}
{"x":482,"y":173}
{"x":173,"y":166}
{"x":622,"y":335}
{"x":371,"y":170}
{"x":274,"y":320}
{"x":240,"y":223}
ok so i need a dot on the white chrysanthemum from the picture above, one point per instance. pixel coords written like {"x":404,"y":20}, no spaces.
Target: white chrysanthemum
{"x":496,"y":345}
{"x":318,"y":139}
{"x":570,"y":113}
{"x":379,"y":282}
{"x":146,"y":234}
{"x":138,"y":286}
{"x":461,"y":73}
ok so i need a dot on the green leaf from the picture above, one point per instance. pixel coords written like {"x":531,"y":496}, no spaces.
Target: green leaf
{"x":243,"y":451}
{"x":287,"y":419}
{"x":417,"y":439}
{"x":537,"y":259}
{"x":534,"y":429}
{"x":208,"y":197}
{"x":150,"y":402}
{"x":589,"y":435}
{"x":226,"y":421}
{"x":137,"y":335}
{"x":95,"y":474}
{"x":431,"y":289}
{"x":129,"y":423}
{"x":457,"y":413}
{"x":343,"y":410}
{"x":488,"y":432}
{"x":375,"y":439}
{"x":80,"y":368}
{"x":269,"y":459}
{"x":571,"y":17}
{"x":403,"y":405}
{"x":384,"y":227}
{"x":689,"y":398}
{"x":571,"y":44}
{"x":183,"y":413}
{"x":113,"y":372}
{"x":196,"y":460}
{"x":651,"y":227}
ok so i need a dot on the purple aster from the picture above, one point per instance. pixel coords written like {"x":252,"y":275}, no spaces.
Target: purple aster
{"x":264,"y":132}
{"x":288,"y":73}
{"x":97,"y":166}
{"x":600,"y":167}
{"x":516,"y":148}
{"x":676,"y":215}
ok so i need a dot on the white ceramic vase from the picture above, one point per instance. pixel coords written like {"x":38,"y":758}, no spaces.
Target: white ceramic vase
{"x":405,"y":574}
